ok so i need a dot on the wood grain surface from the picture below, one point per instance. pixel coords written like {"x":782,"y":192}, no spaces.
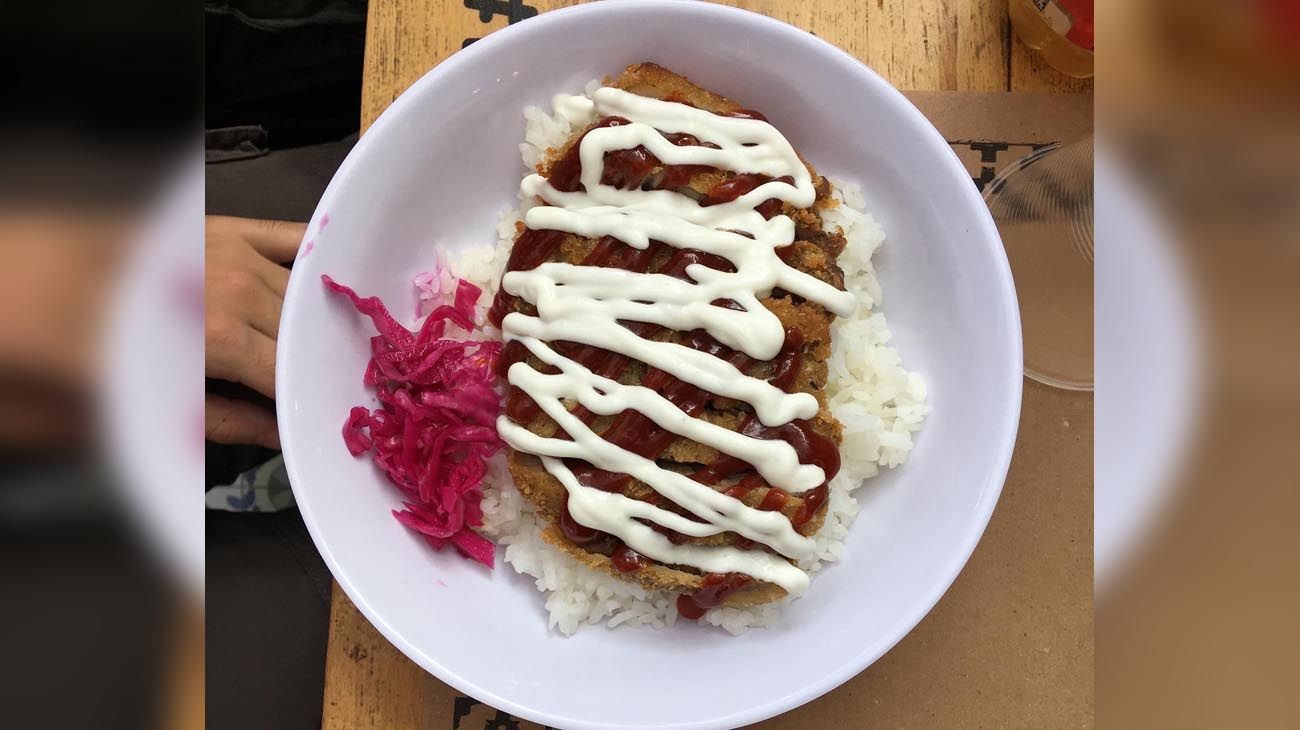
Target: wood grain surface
{"x":932,"y":45}
{"x":1010,"y":645}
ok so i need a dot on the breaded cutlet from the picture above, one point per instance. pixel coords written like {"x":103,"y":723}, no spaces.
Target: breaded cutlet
{"x":814,"y":252}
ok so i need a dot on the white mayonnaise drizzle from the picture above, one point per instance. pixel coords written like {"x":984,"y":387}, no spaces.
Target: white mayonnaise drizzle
{"x":584,"y":304}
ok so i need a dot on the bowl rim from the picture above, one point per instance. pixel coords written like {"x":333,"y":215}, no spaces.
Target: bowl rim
{"x":1007,"y":422}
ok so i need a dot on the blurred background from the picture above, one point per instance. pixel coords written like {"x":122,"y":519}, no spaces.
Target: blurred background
{"x":1194,"y":626}
{"x":102,"y":308}
{"x":101,"y":280}
{"x":99,"y":102}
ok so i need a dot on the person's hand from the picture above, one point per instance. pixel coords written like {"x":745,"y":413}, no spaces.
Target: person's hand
{"x":245,"y":285}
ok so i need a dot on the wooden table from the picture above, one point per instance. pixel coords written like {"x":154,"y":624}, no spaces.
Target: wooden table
{"x":984,"y":656}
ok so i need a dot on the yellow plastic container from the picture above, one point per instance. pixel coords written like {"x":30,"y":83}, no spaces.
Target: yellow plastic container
{"x":1060,"y":30}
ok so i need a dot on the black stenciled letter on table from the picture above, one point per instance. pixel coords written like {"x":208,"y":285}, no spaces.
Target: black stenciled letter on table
{"x":514,"y":10}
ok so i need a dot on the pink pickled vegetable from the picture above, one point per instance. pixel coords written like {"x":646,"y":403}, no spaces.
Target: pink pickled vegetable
{"x":433,"y":285}
{"x":435,"y":427}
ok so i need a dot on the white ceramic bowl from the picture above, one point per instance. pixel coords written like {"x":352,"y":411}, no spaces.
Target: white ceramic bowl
{"x":438,"y":167}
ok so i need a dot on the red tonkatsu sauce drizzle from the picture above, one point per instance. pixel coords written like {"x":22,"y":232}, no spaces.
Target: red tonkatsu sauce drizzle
{"x":745,"y":486}
{"x":530,"y":250}
{"x":566,"y":173}
{"x":729,"y":190}
{"x":627,"y":169}
{"x":713,"y":592}
{"x":774,"y":501}
{"x":673,"y":177}
{"x":788,"y":362}
{"x":577,"y":532}
{"x":631,"y":430}
{"x":812,"y":501}
{"x":627,"y":560}
{"x":810,"y":446}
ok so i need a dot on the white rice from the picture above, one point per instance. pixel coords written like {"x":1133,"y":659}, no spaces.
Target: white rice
{"x":879,"y":403}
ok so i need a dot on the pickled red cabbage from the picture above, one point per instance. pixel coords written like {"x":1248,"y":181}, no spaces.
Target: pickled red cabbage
{"x":435,"y":427}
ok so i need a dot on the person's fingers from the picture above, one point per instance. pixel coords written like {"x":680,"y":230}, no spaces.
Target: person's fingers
{"x":261,"y":365}
{"x":246,"y":295}
{"x":264,"y":312}
{"x":275,"y":276}
{"x":276,"y":240}
{"x":238,"y":353}
{"x":229,"y":421}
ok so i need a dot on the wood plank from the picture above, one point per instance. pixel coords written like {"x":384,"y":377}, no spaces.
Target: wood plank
{"x":1030,"y":73}
{"x":938,"y":46}
{"x":183,"y":684}
{"x":926,"y":44}
{"x":920,"y":44}
{"x":369,"y":684}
